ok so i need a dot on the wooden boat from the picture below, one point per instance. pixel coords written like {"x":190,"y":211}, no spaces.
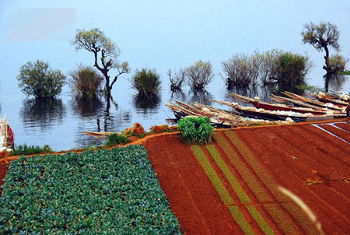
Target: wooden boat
{"x":6,"y":136}
{"x":218,"y":117}
{"x":342,"y":95}
{"x":276,"y":115}
{"x":312,"y":101}
{"x":277,"y":107}
{"x":182,"y":109}
{"x":323,"y":97}
{"x":298,"y":103}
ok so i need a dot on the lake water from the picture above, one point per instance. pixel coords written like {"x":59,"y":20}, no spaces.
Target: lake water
{"x":151,"y":34}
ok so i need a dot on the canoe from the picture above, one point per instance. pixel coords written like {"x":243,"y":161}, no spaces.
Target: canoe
{"x":181,"y":109}
{"x":312,"y":101}
{"x":277,"y":107}
{"x":323,"y":97}
{"x":298,"y":103}
{"x":253,"y":112}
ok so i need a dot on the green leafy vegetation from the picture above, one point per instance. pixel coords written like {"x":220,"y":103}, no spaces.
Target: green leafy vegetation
{"x":40,"y":80}
{"x":195,"y":130}
{"x":85,"y":82}
{"x":146,"y":82}
{"x":107,"y":191}
{"x":30,"y":150}
{"x":115,"y":139}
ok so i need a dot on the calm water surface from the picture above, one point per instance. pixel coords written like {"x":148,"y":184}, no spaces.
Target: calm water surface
{"x":152,"y":34}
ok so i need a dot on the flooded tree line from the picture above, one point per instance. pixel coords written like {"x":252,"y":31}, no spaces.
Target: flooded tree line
{"x":274,"y":70}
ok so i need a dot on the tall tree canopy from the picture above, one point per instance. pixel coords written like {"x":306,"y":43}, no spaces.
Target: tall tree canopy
{"x":105,"y":53}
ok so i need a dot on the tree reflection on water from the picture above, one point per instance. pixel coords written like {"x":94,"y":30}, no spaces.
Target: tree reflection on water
{"x":336,"y":82}
{"x":42,"y":113}
{"x":87,"y":107}
{"x":145,"y":104}
{"x":202,"y":97}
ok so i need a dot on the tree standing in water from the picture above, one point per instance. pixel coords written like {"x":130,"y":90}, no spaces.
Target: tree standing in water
{"x":323,"y":37}
{"x":105,"y":51}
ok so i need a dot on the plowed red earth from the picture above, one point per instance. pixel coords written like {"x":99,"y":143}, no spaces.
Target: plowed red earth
{"x":312,"y":161}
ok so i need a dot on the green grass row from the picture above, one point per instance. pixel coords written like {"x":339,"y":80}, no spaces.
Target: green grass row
{"x":262,"y":174}
{"x":225,"y":197}
{"x":106,"y":191}
{"x":246,"y":173}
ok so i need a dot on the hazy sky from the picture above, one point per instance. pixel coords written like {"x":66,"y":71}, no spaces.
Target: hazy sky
{"x":171,"y":34}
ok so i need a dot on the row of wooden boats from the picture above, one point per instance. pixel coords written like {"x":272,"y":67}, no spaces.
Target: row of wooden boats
{"x":291,"y":108}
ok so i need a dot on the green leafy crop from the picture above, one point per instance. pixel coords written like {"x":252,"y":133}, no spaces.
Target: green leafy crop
{"x":106,"y":191}
{"x":196,"y":130}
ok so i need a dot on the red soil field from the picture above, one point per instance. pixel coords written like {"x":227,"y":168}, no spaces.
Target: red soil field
{"x":305,"y":159}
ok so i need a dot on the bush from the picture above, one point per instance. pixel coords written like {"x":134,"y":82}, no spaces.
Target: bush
{"x":177,"y":79}
{"x":30,"y":150}
{"x":96,"y":192}
{"x":196,"y":130}
{"x":337,"y":63}
{"x":241,"y":71}
{"x":116,"y":139}
{"x":272,"y":68}
{"x":199,"y":75}
{"x":39,"y":80}
{"x":292,"y":69}
{"x":146,"y":82}
{"x":85,"y":82}
{"x":136,"y":130}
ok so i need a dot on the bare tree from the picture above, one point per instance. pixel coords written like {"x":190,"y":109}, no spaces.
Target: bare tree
{"x":241,"y":71}
{"x":176,"y":79}
{"x":199,"y":75}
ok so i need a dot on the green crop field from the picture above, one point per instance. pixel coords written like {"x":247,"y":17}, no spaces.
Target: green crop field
{"x":108,"y":191}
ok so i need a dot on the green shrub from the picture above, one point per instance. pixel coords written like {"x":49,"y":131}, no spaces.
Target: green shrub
{"x":196,"y":130}
{"x":116,"y":139}
{"x":85,"y":82}
{"x":30,"y":150}
{"x":96,"y":192}
{"x":146,"y":82}
{"x":39,"y":80}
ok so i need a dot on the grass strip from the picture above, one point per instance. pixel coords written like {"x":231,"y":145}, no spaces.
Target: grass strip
{"x":301,"y":218}
{"x":209,"y":170}
{"x":239,"y":217}
{"x":260,"y":220}
{"x":263,"y":175}
{"x":236,"y":186}
{"x":281,"y":219}
{"x":248,"y":176}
